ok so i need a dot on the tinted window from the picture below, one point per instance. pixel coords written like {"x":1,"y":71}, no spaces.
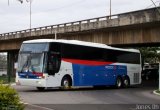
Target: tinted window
{"x":128,"y":57}
{"x":82,"y":52}
{"x":99,"y":54}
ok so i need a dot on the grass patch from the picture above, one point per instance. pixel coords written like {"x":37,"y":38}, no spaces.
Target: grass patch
{"x":157,"y":91}
{"x":4,"y":79}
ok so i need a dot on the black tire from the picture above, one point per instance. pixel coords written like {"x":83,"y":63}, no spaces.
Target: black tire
{"x":66,"y":83}
{"x":41,"y":88}
{"x":126,"y":82}
{"x":118,"y":82}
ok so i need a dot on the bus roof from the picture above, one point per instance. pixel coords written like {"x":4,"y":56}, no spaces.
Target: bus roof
{"x":77,"y":42}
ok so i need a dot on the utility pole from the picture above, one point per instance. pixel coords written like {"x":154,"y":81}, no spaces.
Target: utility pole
{"x":30,"y":14}
{"x":110,"y":9}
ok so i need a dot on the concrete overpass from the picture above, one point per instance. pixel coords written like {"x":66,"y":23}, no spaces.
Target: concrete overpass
{"x":133,"y":28}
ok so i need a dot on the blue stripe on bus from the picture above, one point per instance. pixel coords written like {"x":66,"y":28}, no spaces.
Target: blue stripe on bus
{"x":97,"y":75}
{"x":27,"y":75}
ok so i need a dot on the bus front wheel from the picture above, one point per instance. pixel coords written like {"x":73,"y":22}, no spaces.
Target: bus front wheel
{"x":66,"y":83}
{"x":118,"y":82}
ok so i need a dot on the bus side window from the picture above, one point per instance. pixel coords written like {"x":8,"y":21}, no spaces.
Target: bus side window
{"x":54,"y":62}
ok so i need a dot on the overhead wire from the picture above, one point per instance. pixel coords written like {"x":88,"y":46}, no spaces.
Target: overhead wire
{"x":155,"y":6}
{"x":54,"y":9}
{"x":158,"y":1}
{"x":65,"y":6}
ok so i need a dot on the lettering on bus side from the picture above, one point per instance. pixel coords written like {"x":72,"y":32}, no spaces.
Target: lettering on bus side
{"x":109,"y":67}
{"x":122,"y":67}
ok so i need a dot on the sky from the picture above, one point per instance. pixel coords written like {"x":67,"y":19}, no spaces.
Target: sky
{"x":16,"y":16}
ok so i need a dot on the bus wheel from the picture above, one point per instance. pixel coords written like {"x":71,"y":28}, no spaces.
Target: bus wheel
{"x":118,"y":82}
{"x":66,"y":83}
{"x":41,"y":88}
{"x":126,"y":82}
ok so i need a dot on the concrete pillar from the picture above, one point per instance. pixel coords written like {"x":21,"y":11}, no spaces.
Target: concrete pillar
{"x":159,"y":77}
{"x":9,"y":66}
{"x":11,"y":59}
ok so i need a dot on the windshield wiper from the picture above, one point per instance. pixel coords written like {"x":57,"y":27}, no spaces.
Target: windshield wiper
{"x":26,"y":64}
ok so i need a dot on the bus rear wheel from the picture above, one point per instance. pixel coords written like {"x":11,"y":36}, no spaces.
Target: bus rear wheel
{"x":118,"y":82}
{"x":66,"y":83}
{"x":126,"y":82}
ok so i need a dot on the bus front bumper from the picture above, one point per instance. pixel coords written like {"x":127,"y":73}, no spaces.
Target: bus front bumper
{"x":31,"y":82}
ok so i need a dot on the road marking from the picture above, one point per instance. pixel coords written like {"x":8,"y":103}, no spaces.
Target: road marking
{"x":39,"y":107}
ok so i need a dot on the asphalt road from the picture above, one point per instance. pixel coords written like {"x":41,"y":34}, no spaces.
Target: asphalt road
{"x":138,"y":97}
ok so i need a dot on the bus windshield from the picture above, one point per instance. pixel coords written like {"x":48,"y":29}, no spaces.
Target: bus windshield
{"x":30,"y":62}
{"x":35,"y":47}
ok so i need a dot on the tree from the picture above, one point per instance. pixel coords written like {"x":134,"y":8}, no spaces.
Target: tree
{"x":150,"y":54}
{"x":3,"y":61}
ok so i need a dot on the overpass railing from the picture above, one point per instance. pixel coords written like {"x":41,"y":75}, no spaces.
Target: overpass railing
{"x":130,"y":18}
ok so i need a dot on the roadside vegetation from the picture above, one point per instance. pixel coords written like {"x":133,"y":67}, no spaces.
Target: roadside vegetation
{"x":3,"y":61}
{"x":9,"y":98}
{"x":4,"y":79}
{"x":3,"y":70}
{"x":150,"y":54}
{"x":158,"y":91}
{"x":150,"y":63}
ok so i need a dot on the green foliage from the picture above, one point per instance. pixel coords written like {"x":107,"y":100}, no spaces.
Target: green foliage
{"x":157,"y":91}
{"x":4,"y":79}
{"x":9,"y":99}
{"x":150,"y":54}
{"x":3,"y":61}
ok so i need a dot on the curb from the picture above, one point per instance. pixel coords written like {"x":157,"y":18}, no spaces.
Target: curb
{"x":156,"y":93}
{"x":11,"y":84}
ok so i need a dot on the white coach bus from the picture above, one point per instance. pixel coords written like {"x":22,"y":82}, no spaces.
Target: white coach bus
{"x":46,"y":63}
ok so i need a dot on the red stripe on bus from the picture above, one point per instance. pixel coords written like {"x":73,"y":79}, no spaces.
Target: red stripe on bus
{"x":37,"y":73}
{"x":86,"y":62}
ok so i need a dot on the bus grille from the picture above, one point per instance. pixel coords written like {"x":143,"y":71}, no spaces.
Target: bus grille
{"x":136,"y":77}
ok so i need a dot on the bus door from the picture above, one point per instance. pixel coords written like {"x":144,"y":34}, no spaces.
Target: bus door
{"x":54,"y":61}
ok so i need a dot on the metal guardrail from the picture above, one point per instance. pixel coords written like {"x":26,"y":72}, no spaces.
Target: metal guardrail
{"x":88,"y":24}
{"x":54,"y":28}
